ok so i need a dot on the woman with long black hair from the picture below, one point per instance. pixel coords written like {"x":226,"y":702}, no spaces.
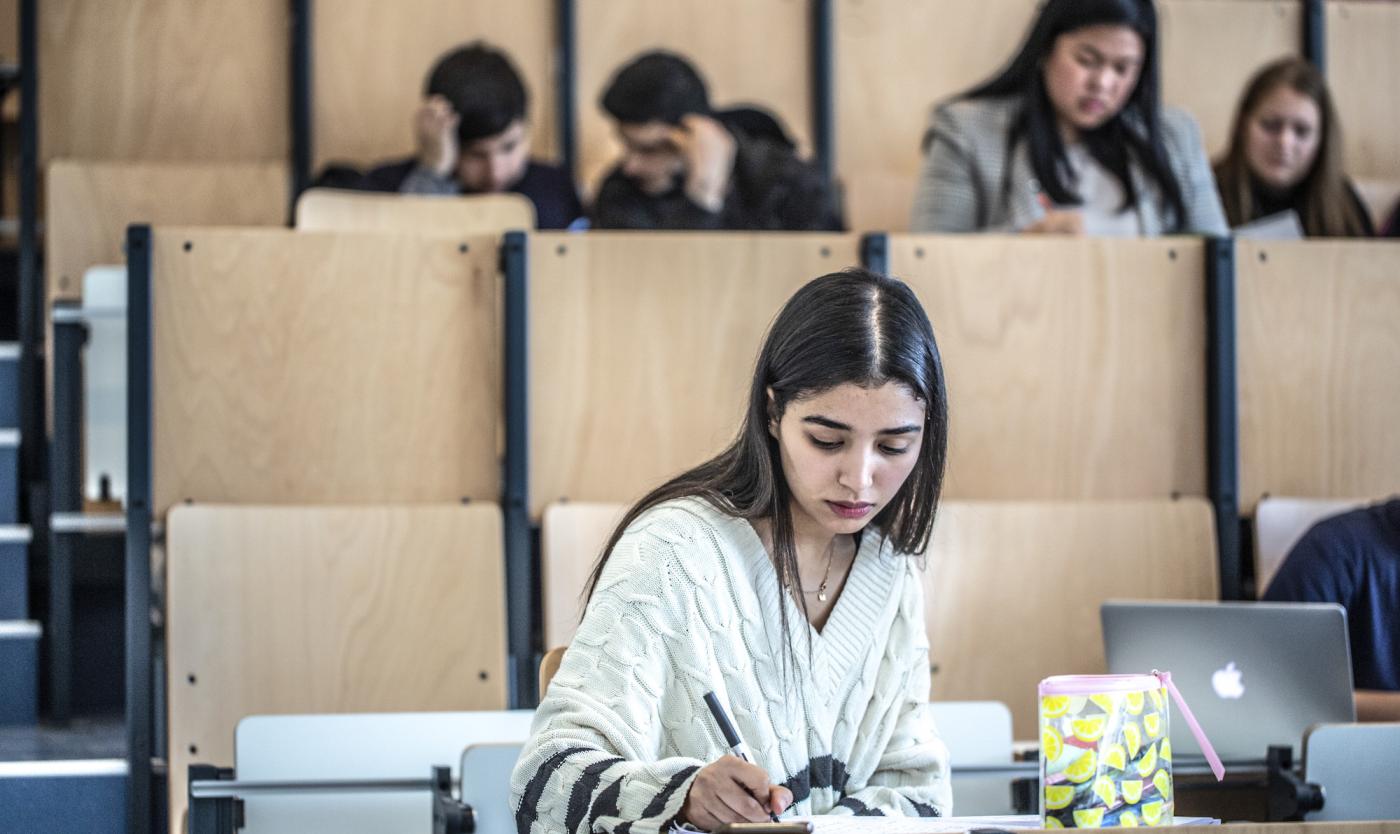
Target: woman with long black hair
{"x":1070,"y":138}
{"x":780,"y":575}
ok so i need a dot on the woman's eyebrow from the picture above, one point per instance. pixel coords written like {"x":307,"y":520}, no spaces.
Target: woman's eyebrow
{"x":827,"y":422}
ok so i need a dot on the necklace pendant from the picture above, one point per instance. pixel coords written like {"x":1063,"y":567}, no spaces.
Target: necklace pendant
{"x":821,"y":594}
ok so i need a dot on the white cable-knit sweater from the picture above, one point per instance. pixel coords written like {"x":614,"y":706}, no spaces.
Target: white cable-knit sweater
{"x":689,"y":602}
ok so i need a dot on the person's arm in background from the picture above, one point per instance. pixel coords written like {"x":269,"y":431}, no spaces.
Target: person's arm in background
{"x":1204,"y":213}
{"x":435,"y":132}
{"x":1316,"y":570}
{"x":621,"y":204}
{"x":947,"y":198}
{"x":1377,"y":705}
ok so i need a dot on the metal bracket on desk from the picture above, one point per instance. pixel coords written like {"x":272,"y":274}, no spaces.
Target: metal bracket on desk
{"x":213,"y":814}
{"x":1290,"y":797}
{"x":216,"y":798}
{"x":86,"y":524}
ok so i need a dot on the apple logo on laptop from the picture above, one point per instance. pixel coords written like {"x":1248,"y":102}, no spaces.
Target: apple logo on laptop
{"x":1228,"y":682}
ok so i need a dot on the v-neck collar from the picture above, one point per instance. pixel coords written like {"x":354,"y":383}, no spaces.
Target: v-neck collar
{"x":840,"y":649}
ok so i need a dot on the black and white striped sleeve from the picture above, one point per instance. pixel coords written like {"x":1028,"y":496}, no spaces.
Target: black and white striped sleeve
{"x":594,"y":762}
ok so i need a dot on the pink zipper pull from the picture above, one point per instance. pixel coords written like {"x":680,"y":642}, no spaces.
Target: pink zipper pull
{"x":1211,"y":758}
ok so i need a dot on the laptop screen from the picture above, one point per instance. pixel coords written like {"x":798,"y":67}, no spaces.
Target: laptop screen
{"x":1254,"y":674}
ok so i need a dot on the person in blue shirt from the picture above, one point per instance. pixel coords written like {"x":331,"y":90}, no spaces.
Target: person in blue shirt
{"x":473,"y":137}
{"x":1353,"y":559}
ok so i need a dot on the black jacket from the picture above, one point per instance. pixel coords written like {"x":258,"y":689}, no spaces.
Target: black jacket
{"x":771,"y":188}
{"x":548,"y":187}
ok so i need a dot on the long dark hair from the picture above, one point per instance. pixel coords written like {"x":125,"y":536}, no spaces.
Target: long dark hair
{"x":847,"y":327}
{"x":1132,"y":134}
{"x":1327,"y":209}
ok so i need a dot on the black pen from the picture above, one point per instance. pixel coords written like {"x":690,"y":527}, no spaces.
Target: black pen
{"x":731,"y":736}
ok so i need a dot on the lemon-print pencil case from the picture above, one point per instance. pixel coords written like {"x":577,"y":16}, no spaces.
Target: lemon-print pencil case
{"x":1105,"y":754}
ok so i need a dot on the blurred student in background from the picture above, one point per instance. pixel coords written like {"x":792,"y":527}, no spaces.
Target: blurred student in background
{"x":473,"y":137}
{"x":1286,"y":155}
{"x":686,"y":166}
{"x":1070,"y":138}
{"x":1353,"y":559}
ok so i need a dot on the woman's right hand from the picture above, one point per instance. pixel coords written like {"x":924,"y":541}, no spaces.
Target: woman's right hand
{"x":1058,"y":222}
{"x":732,"y":790}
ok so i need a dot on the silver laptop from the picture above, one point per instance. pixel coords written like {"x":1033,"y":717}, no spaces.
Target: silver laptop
{"x":1253,"y":673}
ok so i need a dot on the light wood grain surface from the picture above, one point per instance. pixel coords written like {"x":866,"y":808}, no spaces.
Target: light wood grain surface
{"x":372,"y":60}
{"x":91,"y":203}
{"x":337,"y":210}
{"x":164,"y":80}
{"x":1012,"y":589}
{"x":549,"y":665}
{"x":894,"y":60}
{"x":1076,"y":368}
{"x":752,"y":51}
{"x":1318,"y":352}
{"x":1363,"y":54}
{"x":642,"y":348}
{"x":308,"y":367}
{"x":277,"y":610}
{"x":572,"y":537}
{"x":1211,"y":48}
{"x":9,"y":32}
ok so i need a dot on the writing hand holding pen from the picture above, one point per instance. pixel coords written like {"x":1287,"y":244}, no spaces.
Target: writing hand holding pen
{"x":732,"y":788}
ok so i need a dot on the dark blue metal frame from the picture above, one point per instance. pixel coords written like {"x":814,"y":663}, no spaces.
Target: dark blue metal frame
{"x":139,"y":682}
{"x":823,"y":89}
{"x":66,"y":496}
{"x":1222,"y":408}
{"x":875,"y":252}
{"x":33,"y":472}
{"x":302,"y":76}
{"x":522,"y":652}
{"x":1315,"y":33}
{"x":565,"y":22}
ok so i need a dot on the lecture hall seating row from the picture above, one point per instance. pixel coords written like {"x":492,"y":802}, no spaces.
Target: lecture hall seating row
{"x":1077,"y":382}
{"x":212,"y":82}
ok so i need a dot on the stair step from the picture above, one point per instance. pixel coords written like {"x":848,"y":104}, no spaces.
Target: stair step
{"x":14,"y":572}
{"x":60,"y":797}
{"x":9,"y":476}
{"x":9,"y":385}
{"x":19,"y":672}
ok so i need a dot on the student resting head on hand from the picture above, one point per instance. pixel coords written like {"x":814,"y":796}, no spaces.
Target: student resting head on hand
{"x":472,"y":136}
{"x":779,"y":575}
{"x":1070,"y":138}
{"x":1286,"y":155}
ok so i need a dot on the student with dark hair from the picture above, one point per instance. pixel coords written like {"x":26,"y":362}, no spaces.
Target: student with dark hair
{"x":685,"y":166}
{"x":473,"y":137}
{"x":1353,"y":559}
{"x":781,"y":576}
{"x":1286,"y":155}
{"x":1070,"y":138}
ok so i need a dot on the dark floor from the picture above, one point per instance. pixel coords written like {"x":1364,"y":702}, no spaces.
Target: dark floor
{"x":83,"y":738}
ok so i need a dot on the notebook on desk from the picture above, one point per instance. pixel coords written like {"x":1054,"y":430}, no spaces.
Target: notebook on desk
{"x":1254,"y":673}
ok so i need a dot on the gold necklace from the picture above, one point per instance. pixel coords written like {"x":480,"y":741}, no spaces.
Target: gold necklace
{"x":821,"y":589}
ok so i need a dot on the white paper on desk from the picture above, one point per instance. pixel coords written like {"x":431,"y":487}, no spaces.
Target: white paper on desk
{"x":1282,"y":226}
{"x":927,"y":825}
{"x":914,"y":825}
